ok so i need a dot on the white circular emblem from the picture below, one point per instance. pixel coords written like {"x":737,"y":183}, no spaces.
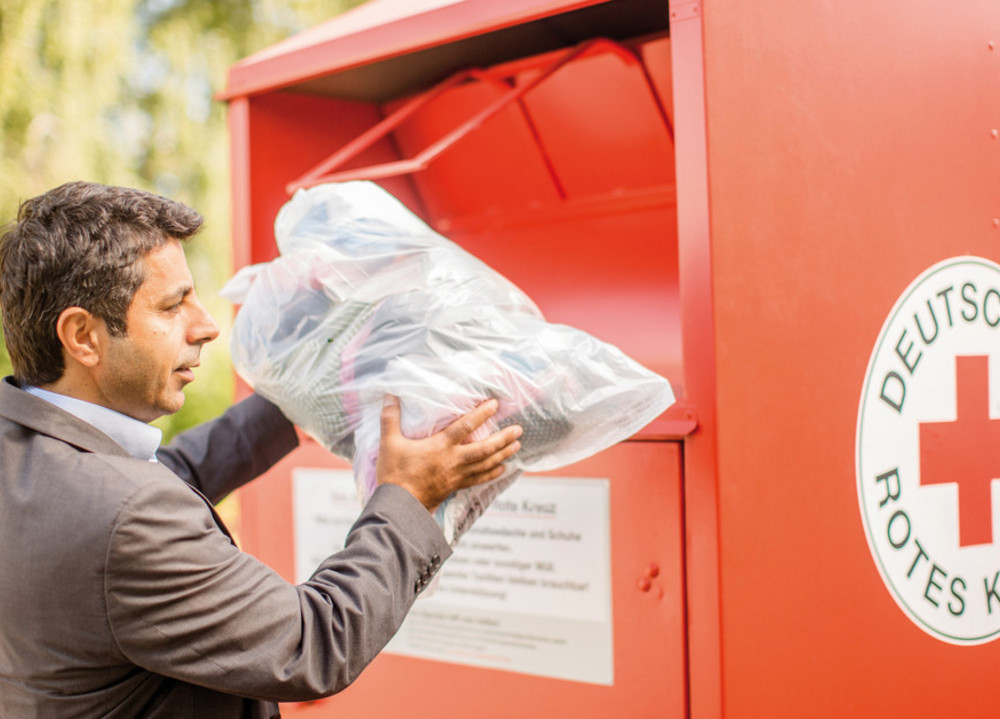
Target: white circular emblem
{"x":928,"y":451}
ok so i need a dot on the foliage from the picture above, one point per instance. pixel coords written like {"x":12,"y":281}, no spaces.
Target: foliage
{"x":120,"y":92}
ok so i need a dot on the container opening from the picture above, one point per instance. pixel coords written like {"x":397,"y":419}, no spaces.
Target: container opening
{"x":619,"y":20}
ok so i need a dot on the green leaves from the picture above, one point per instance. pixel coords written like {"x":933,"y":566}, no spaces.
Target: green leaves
{"x":121,"y":92}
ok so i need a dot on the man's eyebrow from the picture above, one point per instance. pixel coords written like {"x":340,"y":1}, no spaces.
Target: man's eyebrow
{"x":177,"y":295}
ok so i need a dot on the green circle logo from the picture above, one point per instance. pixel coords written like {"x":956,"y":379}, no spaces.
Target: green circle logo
{"x":928,"y":451}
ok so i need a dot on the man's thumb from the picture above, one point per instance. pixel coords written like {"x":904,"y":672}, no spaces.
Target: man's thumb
{"x":390,"y":415}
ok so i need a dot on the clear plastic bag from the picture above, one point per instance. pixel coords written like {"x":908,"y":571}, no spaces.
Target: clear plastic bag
{"x":366,"y":300}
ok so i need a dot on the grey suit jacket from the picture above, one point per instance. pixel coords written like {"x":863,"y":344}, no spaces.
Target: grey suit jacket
{"x":122,"y":595}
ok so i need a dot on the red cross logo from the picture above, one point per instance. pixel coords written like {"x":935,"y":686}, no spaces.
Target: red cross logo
{"x":966,"y":452}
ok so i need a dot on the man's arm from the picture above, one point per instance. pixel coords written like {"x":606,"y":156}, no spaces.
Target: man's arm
{"x":223,"y":454}
{"x":185,"y":602}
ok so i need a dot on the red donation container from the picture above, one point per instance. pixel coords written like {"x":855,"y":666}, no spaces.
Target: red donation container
{"x":790,"y":210}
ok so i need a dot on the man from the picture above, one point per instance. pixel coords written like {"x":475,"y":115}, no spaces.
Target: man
{"x":122,"y":594}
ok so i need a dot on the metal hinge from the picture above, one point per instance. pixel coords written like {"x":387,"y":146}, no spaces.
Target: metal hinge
{"x":681,"y":10}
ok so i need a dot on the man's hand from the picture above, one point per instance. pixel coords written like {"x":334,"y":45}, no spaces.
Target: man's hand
{"x":431,"y":469}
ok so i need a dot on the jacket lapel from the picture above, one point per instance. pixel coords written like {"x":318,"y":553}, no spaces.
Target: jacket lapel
{"x":45,"y":418}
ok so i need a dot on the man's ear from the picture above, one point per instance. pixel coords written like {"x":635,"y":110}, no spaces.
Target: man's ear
{"x":81,"y":334}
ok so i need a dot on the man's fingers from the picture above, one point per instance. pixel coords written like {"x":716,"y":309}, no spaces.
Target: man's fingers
{"x":483,"y":477}
{"x":498,"y":442}
{"x":495,"y":459}
{"x":432,"y":468}
{"x":468,"y":423}
{"x":390,"y":416}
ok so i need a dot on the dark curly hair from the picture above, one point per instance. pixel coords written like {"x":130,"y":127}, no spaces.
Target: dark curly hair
{"x":78,"y":245}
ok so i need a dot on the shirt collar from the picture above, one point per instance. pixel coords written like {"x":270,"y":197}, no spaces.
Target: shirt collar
{"x":139,"y":439}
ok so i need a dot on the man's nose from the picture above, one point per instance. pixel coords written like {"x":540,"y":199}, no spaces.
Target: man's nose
{"x":203,"y":327}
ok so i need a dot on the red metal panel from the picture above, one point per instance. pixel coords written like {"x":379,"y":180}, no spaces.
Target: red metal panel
{"x":850,"y":148}
{"x":386,"y":29}
{"x":475,"y":175}
{"x":606,"y":141}
{"x":511,"y":93}
{"x":657,"y":57}
{"x":844,"y":149}
{"x":646,"y":529}
{"x":240,"y":189}
{"x":601,"y":275}
{"x":287,"y":132}
{"x":697,"y":299}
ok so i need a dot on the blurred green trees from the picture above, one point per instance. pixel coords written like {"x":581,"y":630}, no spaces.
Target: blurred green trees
{"x":121,"y":92}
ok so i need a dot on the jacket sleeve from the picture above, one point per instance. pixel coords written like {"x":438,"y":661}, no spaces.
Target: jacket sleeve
{"x":223,"y":454}
{"x":184,"y":602}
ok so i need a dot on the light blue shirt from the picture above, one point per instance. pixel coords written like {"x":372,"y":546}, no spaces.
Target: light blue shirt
{"x":139,"y":439}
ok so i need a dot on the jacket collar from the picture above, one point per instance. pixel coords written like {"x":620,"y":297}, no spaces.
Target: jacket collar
{"x":43,"y":417}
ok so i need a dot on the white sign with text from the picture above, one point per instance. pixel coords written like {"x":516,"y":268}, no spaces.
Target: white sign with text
{"x":528,"y":588}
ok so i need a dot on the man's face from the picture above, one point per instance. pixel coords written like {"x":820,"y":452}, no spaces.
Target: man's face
{"x":144,"y":372}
